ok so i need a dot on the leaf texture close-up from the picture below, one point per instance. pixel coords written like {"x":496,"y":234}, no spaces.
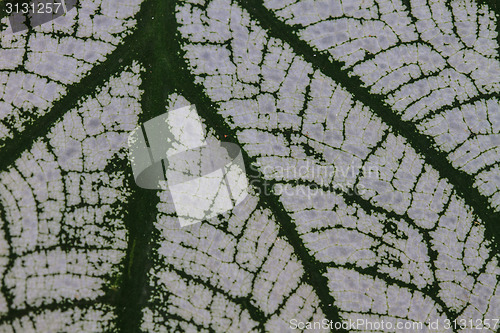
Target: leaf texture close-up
{"x":370,"y":134}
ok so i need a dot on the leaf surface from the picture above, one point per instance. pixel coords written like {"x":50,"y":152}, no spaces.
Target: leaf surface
{"x":369,"y":131}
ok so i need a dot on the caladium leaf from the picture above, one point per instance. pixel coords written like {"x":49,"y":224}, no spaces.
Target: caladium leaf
{"x":369,"y":131}
{"x":63,"y":239}
{"x":434,"y":64}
